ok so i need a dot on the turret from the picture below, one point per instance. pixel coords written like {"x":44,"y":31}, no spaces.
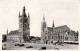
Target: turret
{"x":28,"y":20}
{"x":7,"y":32}
{"x":24,"y":13}
{"x":19,"y":14}
{"x":43,"y":24}
{"x":53,"y":24}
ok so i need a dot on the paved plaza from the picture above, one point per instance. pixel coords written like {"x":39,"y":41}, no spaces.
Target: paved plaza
{"x":11,"y":46}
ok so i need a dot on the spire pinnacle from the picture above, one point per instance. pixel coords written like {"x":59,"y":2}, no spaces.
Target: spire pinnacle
{"x":7,"y":32}
{"x":53,"y":23}
{"x":24,"y":12}
{"x":43,"y":17}
{"x":24,"y":9}
{"x":19,"y":14}
{"x":28,"y":15}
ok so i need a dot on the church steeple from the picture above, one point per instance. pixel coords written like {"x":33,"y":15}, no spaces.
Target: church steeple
{"x":28,"y":19}
{"x":44,"y":22}
{"x":43,"y":18}
{"x":53,"y":24}
{"x":43,"y":27}
{"x":28,"y":15}
{"x":24,"y":9}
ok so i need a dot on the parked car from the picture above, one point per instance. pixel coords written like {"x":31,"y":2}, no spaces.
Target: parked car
{"x":43,"y":48}
{"x":16,"y":44}
{"x":21,"y":45}
{"x":29,"y":47}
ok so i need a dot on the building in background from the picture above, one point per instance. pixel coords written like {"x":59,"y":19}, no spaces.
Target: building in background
{"x":62,"y":34}
{"x":13,"y":36}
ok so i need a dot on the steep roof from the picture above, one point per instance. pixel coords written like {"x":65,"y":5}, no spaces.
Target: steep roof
{"x":13,"y":32}
{"x":59,"y":27}
{"x":50,"y":28}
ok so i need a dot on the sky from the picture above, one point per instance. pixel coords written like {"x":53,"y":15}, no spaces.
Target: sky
{"x":63,"y":12}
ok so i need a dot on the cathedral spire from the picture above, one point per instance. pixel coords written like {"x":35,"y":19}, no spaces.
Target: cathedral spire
{"x":28,"y":15}
{"x":44,"y":22}
{"x":43,"y":18}
{"x":53,"y":24}
{"x":24,"y":9}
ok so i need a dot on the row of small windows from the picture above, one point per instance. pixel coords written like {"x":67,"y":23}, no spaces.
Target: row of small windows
{"x":60,"y":30}
{"x":13,"y":37}
{"x":49,"y":32}
{"x":59,"y":38}
{"x":56,"y":37}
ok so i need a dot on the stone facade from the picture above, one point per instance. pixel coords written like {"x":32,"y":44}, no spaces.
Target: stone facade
{"x":24,"y":29}
{"x":50,"y":35}
{"x":13,"y":36}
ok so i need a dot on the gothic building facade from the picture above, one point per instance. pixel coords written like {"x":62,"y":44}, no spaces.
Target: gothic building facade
{"x":50,"y":35}
{"x":23,"y":34}
{"x":24,"y":23}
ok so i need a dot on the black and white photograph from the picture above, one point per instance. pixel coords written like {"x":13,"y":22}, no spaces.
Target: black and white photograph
{"x":39,"y":24}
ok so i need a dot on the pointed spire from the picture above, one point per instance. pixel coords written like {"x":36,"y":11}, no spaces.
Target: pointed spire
{"x":77,"y":32}
{"x":43,"y":18}
{"x":7,"y":32}
{"x":28,"y":15}
{"x":44,"y":22}
{"x":28,"y":18}
{"x":24,"y":12}
{"x":24,"y":9}
{"x":19,"y":14}
{"x":53,"y":23}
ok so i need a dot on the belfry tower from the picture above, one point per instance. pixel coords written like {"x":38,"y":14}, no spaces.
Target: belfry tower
{"x":24,"y":29}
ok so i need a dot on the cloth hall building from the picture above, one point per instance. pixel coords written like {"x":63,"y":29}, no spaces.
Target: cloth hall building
{"x":23,"y":34}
